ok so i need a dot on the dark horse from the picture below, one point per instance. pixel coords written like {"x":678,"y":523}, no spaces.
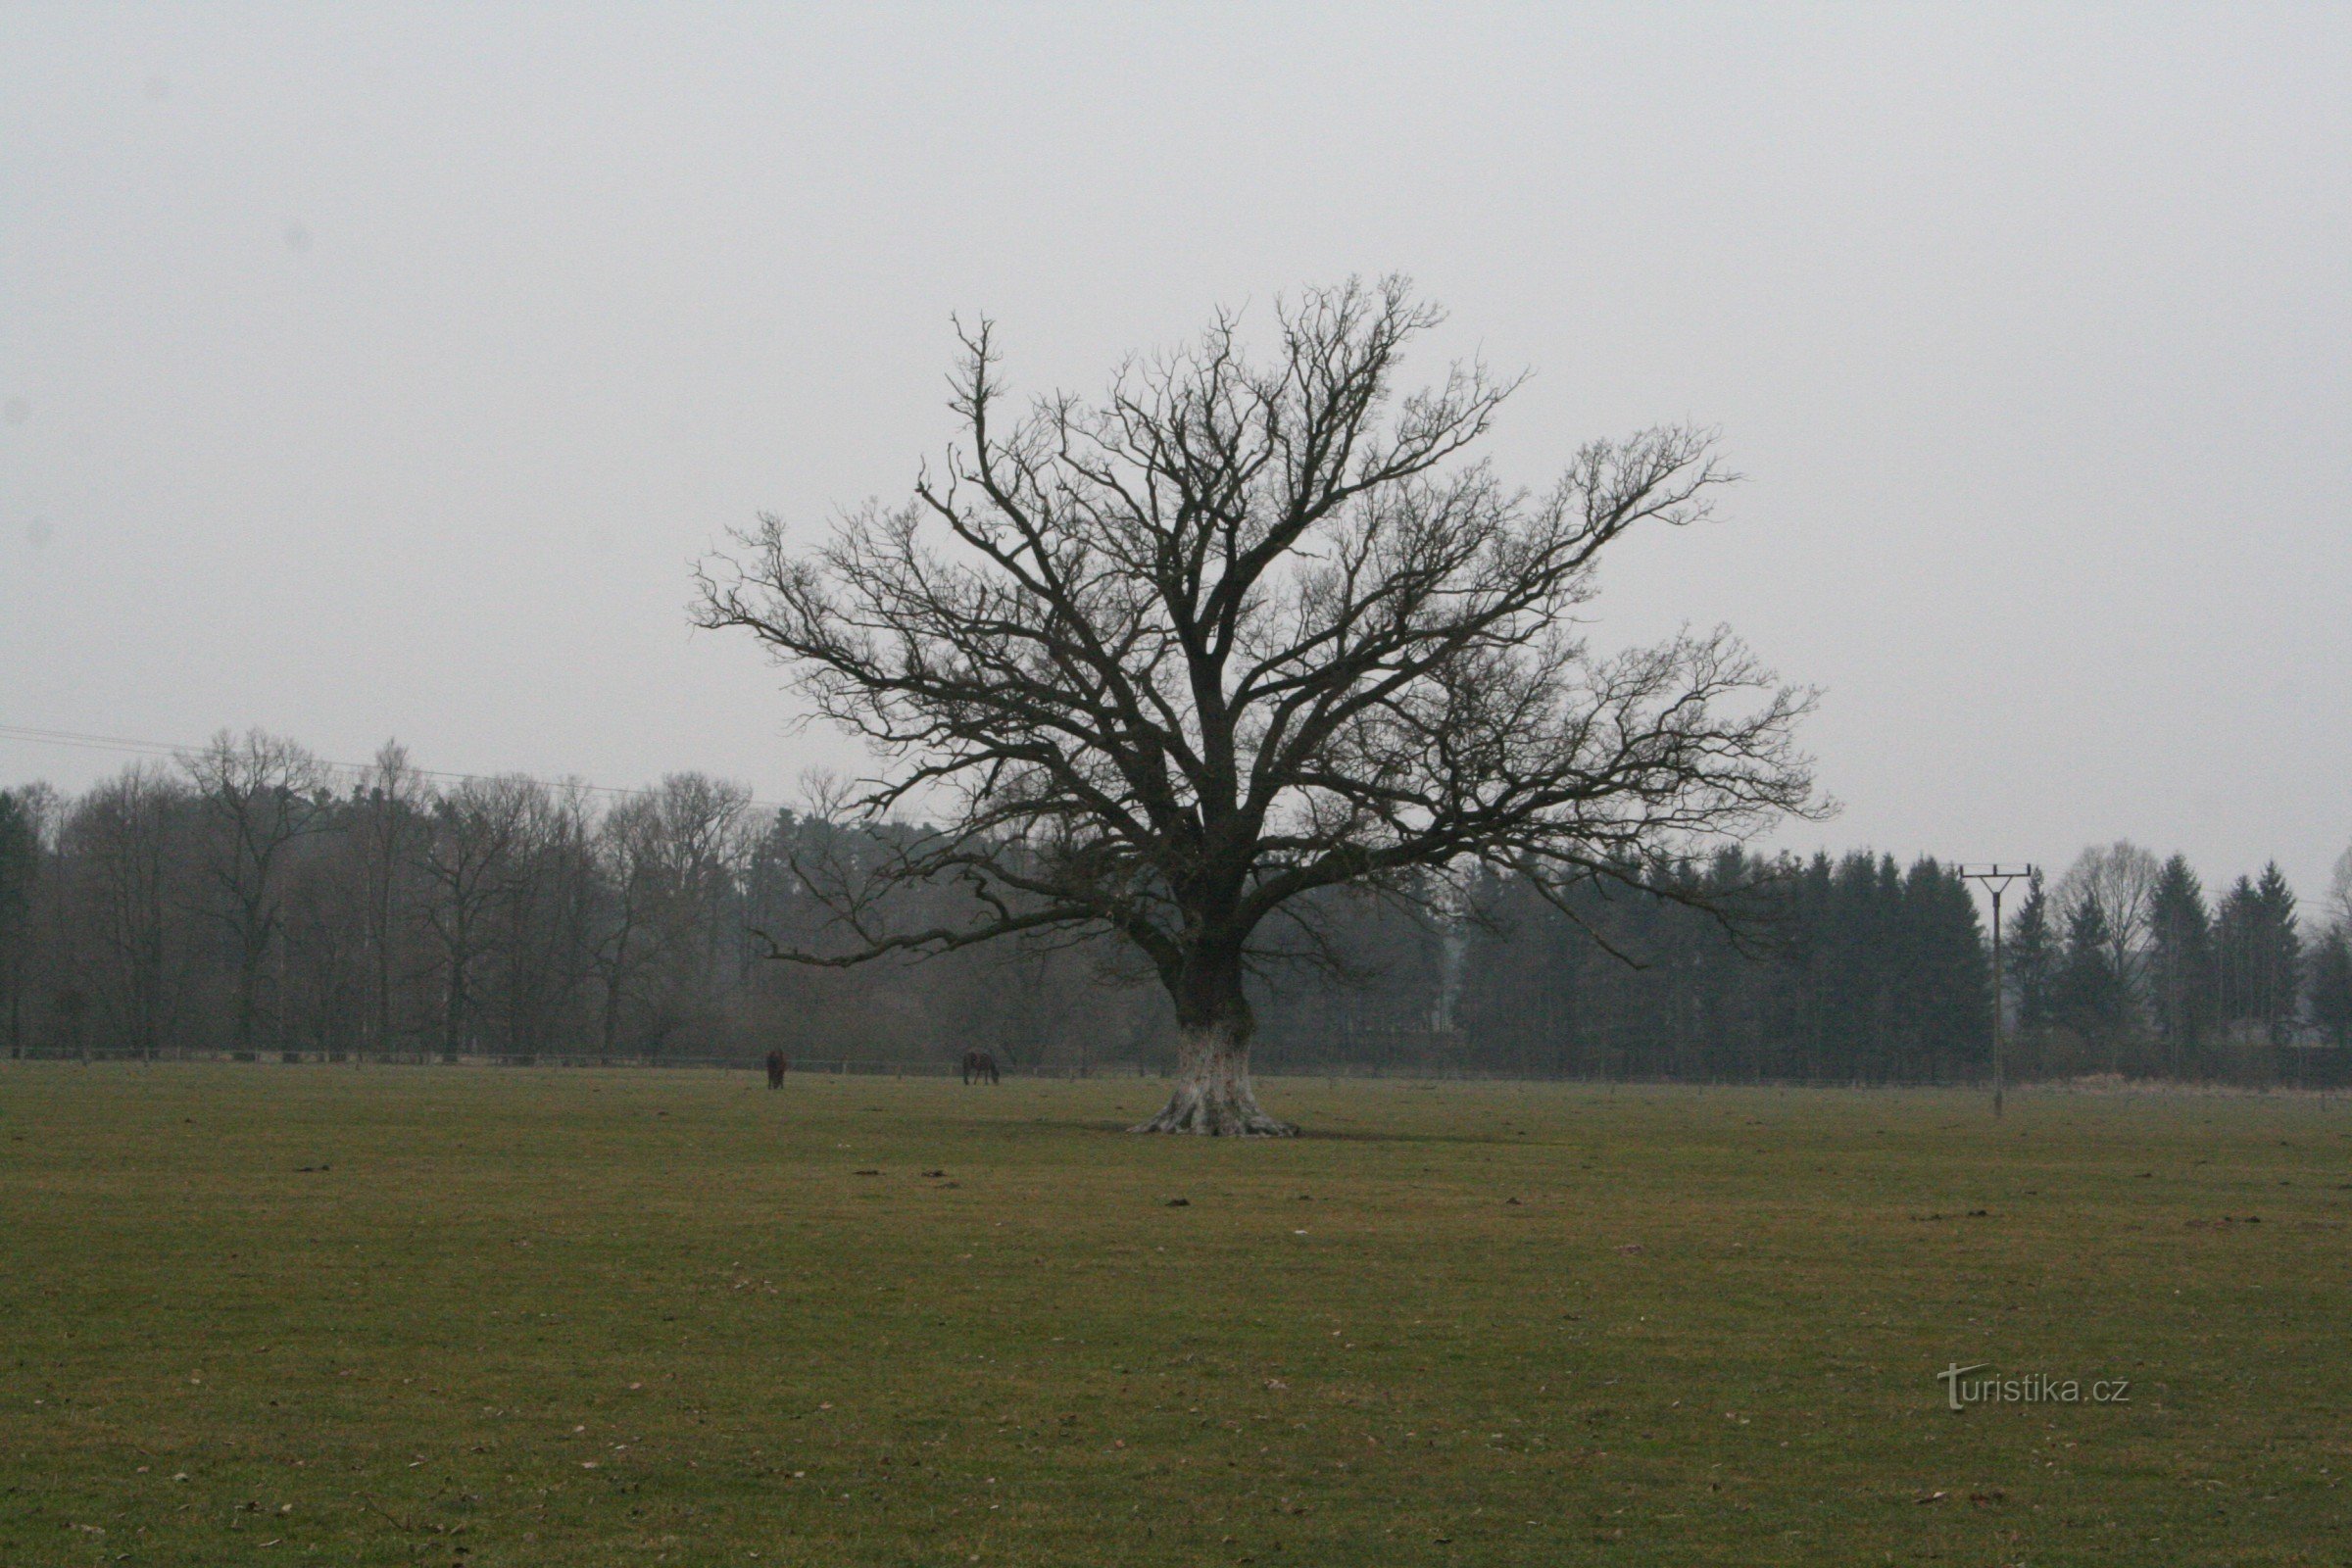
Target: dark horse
{"x":776,"y":1069}
{"x":979,"y":1067}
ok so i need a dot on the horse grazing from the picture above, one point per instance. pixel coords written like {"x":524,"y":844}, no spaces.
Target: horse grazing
{"x":776,"y":1065}
{"x":979,"y":1067}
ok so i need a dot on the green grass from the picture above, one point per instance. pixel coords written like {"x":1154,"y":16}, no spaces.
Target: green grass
{"x":578,"y":1318}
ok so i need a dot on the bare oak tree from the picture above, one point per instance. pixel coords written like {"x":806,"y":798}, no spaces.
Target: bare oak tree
{"x":467,"y":854}
{"x":1161,"y":665}
{"x":393,"y":805}
{"x":123,"y":837}
{"x":669,"y":859}
{"x":258,"y":795}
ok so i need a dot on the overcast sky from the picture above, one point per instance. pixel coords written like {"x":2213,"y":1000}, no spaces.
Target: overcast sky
{"x":381,"y":372}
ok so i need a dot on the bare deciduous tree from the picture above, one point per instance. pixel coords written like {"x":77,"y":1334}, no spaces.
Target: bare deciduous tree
{"x":393,"y":802}
{"x":26,"y":823}
{"x":2121,"y":879}
{"x":258,"y":794}
{"x":2339,"y":891}
{"x":468,"y":855}
{"x":670,"y":859}
{"x":1162,"y":665}
{"x":541,"y":931}
{"x":124,"y":838}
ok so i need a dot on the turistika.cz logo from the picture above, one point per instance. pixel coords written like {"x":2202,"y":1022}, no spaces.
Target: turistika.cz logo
{"x":1960,"y":1390}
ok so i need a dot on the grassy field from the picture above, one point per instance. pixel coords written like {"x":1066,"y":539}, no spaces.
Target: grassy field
{"x":482,"y":1317}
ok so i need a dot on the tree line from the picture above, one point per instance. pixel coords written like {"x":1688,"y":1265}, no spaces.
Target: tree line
{"x":2128,"y":965}
{"x":249,"y":899}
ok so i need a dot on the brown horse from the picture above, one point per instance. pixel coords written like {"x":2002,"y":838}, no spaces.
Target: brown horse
{"x":776,"y":1065}
{"x":979,"y":1067}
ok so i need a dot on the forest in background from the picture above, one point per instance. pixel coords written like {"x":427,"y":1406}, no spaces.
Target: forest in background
{"x":249,"y":899}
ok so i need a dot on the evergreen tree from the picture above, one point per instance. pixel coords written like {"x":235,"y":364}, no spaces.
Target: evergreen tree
{"x":2092,"y":998}
{"x":2278,"y":954}
{"x":2031,"y":959}
{"x":2331,"y":988}
{"x":2236,"y":927}
{"x":1946,"y":982}
{"x":1809,"y":948}
{"x":2121,"y":878}
{"x":2180,"y":961}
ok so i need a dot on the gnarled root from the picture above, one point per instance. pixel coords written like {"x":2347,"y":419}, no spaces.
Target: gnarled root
{"x":1188,"y":1111}
{"x":1213,"y":1097}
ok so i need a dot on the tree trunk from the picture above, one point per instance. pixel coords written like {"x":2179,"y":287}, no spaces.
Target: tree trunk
{"x":452,"y":1011}
{"x":1214,"y":1096}
{"x":249,"y":982}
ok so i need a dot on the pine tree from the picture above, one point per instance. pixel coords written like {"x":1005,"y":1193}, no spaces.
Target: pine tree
{"x":2331,"y":988}
{"x":2234,"y":923}
{"x":2094,"y":999}
{"x":2180,"y":961}
{"x":2278,"y":954}
{"x":1810,"y":949}
{"x":2032,"y":961}
{"x":1947,"y":983}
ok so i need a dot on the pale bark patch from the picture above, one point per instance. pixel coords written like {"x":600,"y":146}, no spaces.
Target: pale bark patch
{"x":1214,"y":1096}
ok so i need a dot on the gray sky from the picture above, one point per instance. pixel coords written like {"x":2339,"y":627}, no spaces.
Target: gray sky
{"x":381,"y":372}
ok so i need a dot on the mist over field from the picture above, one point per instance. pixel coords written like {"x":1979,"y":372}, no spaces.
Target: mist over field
{"x":380,"y":371}
{"x":1169,"y":785}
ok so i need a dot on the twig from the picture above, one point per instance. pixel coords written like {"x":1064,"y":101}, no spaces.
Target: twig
{"x":387,"y":1514}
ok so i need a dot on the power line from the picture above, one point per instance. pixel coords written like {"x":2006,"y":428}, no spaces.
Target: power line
{"x":101,"y":743}
{"x":124,"y":744}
